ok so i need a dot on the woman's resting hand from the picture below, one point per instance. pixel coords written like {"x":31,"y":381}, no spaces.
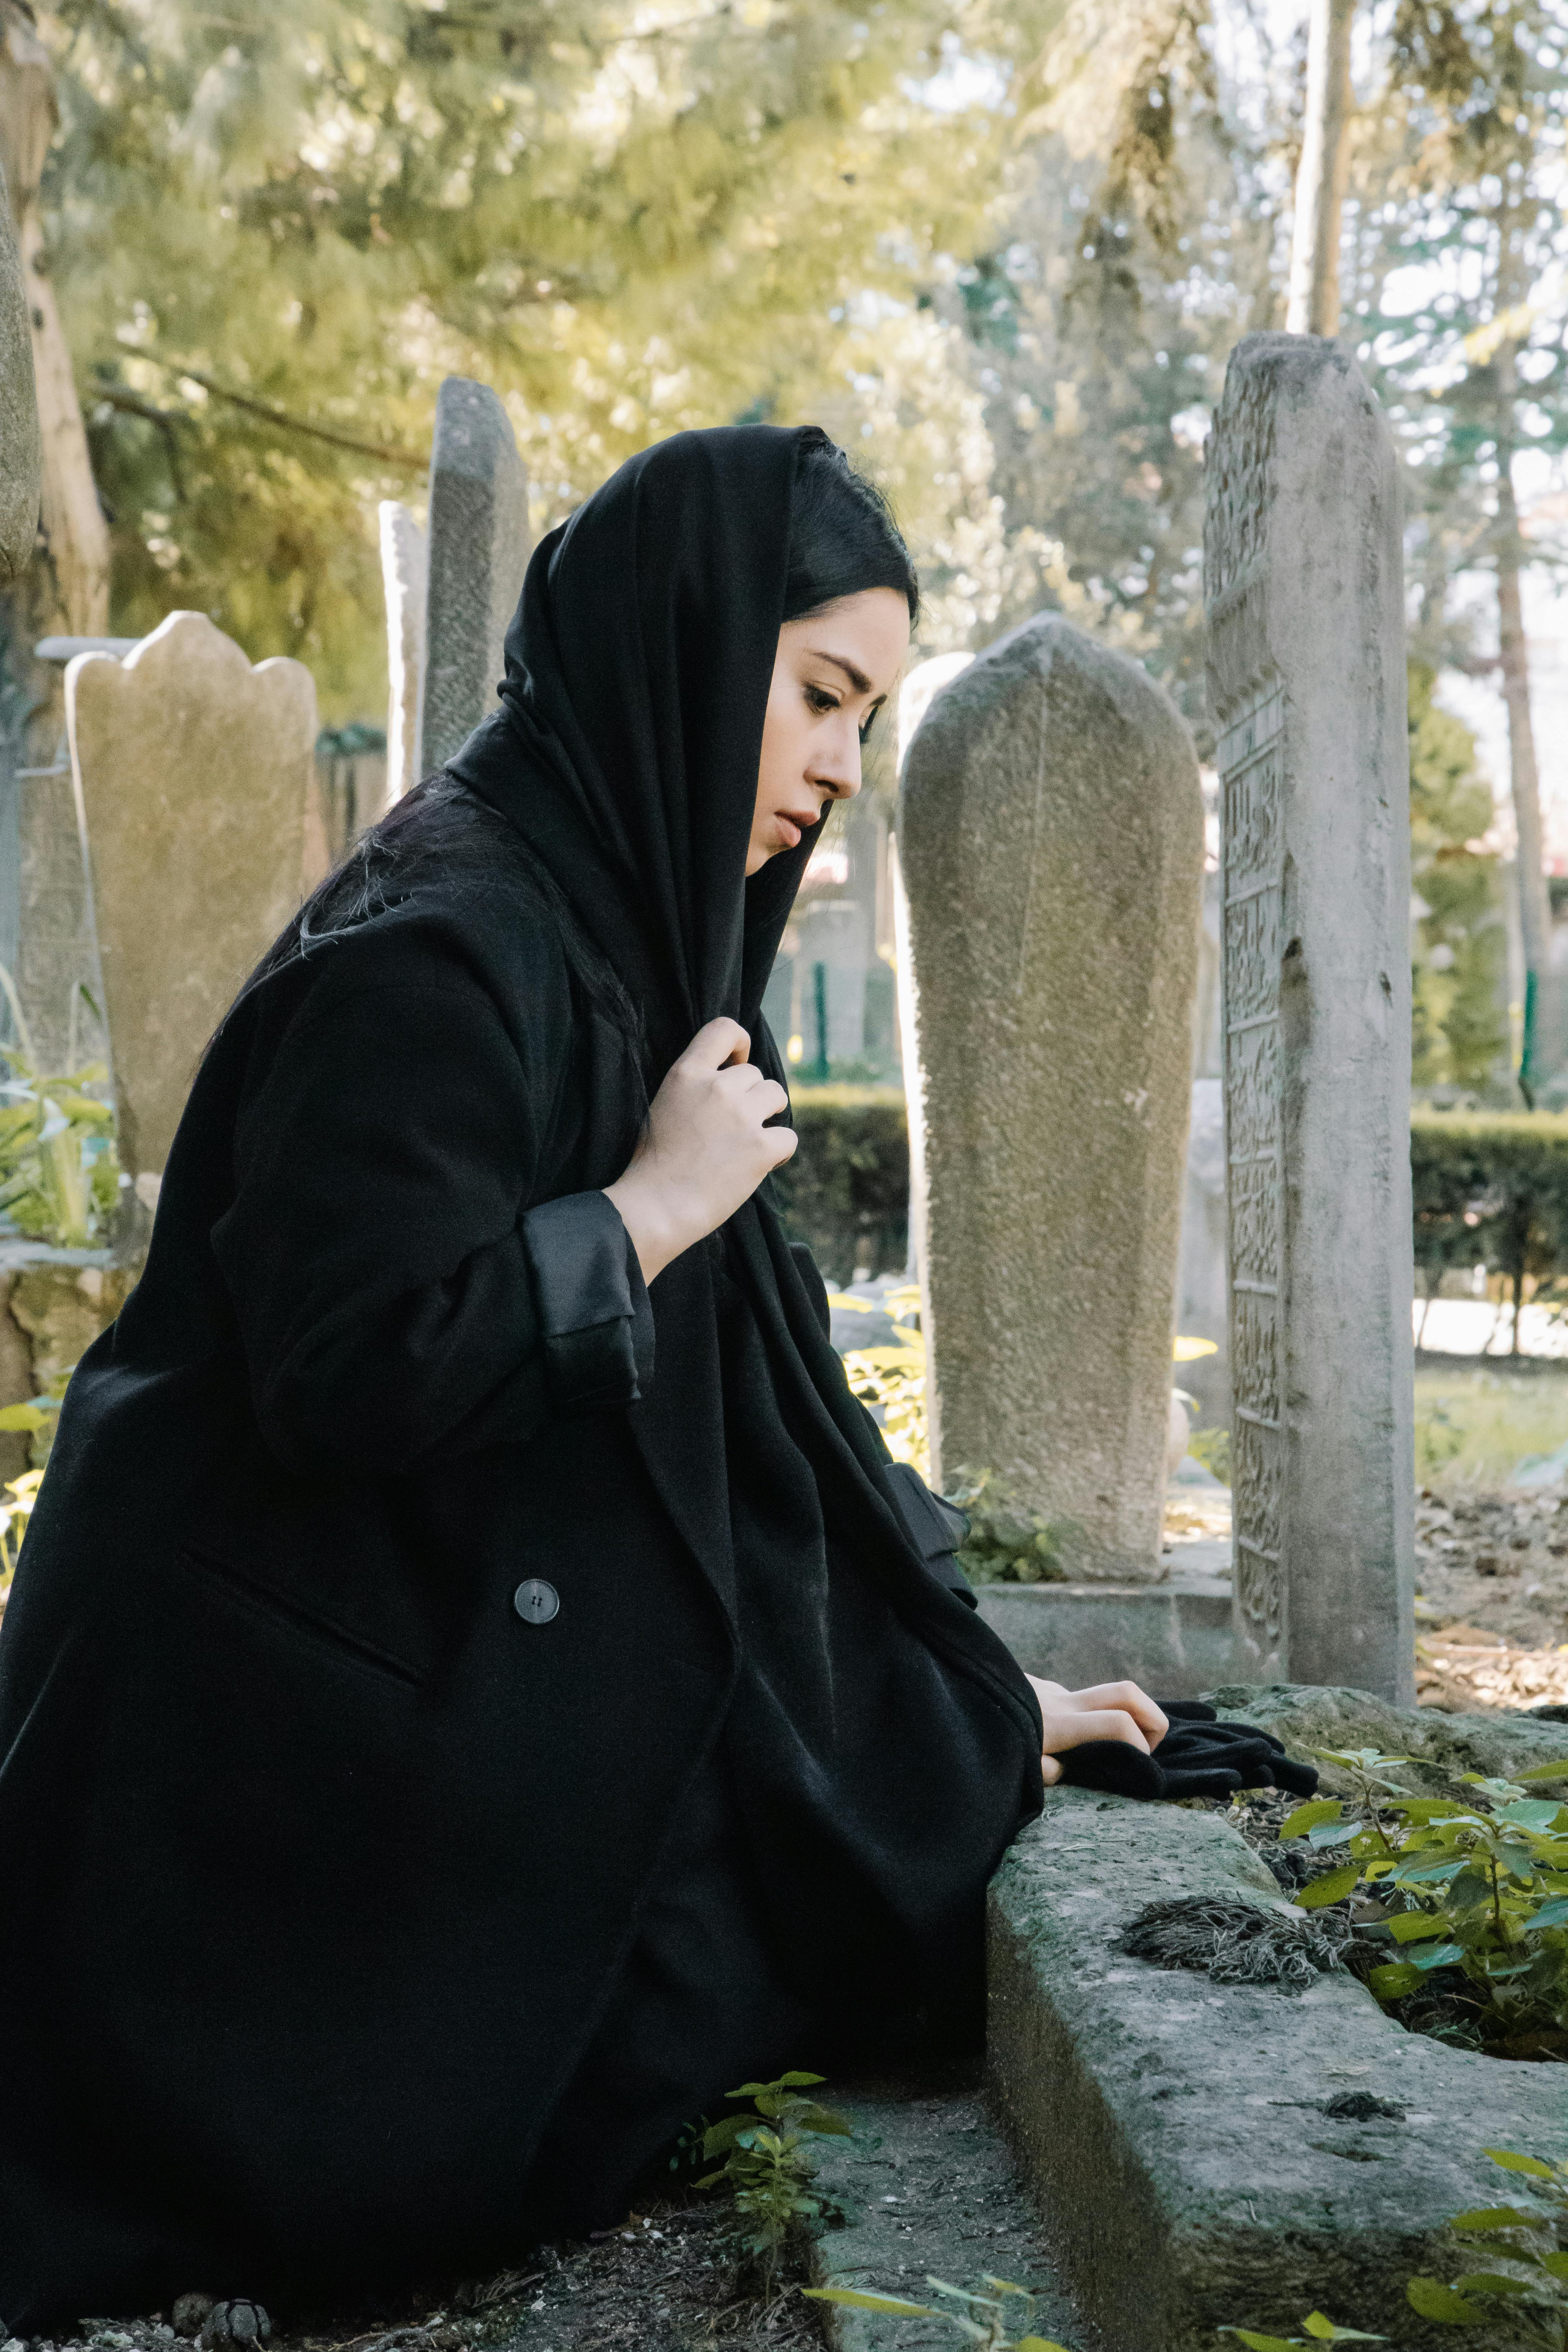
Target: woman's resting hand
{"x":705,"y":1148}
{"x":1108,"y":1711}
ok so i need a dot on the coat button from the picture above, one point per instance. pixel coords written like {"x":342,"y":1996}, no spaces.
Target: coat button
{"x":535,"y":1601}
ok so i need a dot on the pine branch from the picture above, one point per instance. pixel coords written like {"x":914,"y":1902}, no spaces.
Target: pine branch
{"x":280,"y":418}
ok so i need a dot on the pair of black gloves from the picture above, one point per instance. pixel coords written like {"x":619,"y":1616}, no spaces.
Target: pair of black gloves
{"x":1198,"y":1757}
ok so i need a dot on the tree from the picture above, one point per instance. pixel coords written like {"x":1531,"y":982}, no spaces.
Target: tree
{"x":1460,"y":233}
{"x":277,"y":229}
{"x":1459,"y":1031}
{"x":1313,"y":302}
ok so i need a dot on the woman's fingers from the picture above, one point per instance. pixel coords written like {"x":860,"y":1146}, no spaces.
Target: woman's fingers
{"x":716,"y":1044}
{"x":1078,"y":1726}
{"x":1050,"y":1771}
{"x":1130,"y":1700}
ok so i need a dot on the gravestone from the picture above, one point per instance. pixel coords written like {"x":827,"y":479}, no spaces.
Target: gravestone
{"x":404,"y":565}
{"x":1303,"y":584}
{"x":192,"y":773}
{"x":478,"y":544}
{"x":1051,"y":858}
{"x":21,"y":455}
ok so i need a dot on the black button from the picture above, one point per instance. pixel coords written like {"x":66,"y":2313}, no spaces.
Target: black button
{"x":535,"y":1601}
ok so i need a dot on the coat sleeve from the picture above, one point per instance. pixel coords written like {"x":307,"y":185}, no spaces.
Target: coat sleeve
{"x":398,"y":1297}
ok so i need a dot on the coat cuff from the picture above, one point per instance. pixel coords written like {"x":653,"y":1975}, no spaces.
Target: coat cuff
{"x":935,"y":1526}
{"x":593,"y":1305}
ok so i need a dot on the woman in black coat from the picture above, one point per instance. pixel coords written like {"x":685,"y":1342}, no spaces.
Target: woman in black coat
{"x":475,"y":1687}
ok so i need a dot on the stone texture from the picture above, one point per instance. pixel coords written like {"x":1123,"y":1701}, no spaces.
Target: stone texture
{"x":21,"y":455}
{"x":1174,"y":2128}
{"x":1174,"y":1638}
{"x":192,"y":774}
{"x":477,"y":555}
{"x":405,"y":567}
{"x":1051,"y":853}
{"x":1303,"y":584}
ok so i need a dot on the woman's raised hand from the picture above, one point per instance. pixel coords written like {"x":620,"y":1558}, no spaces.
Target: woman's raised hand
{"x":1108,"y":1711}
{"x":704,"y":1149}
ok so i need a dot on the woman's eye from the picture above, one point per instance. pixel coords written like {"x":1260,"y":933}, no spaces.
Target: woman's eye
{"x":820,"y":699}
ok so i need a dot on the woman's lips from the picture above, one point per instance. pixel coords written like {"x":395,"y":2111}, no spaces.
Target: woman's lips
{"x":788,"y":828}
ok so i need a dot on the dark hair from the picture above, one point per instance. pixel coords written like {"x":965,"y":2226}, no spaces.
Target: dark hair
{"x":842,"y":537}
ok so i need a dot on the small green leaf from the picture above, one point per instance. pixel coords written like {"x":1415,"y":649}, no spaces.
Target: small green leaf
{"x":1038,"y":2344}
{"x":859,"y":2302}
{"x":1332,"y":1887}
{"x":1307,"y":1817}
{"x":1394,"y":1981}
{"x":1555,"y":2265}
{"x":1438,"y":1956}
{"x":1495,"y":2217}
{"x":1545,"y":1772}
{"x":1489,"y":2283}
{"x":27,"y":1416}
{"x":1511,"y":2162}
{"x":1550,"y":1914}
{"x":1259,"y":2343}
{"x":1433,"y":2300}
{"x":1324,"y":2331}
{"x":1410,"y":1927}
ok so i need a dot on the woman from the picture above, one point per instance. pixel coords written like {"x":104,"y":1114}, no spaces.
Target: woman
{"x":474,"y":1688}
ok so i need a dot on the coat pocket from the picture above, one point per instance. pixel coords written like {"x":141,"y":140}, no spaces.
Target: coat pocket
{"x":264,"y":1604}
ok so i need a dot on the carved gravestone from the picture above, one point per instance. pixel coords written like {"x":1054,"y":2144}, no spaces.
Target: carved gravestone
{"x":192,"y":774}
{"x":1051,"y":858}
{"x":1303,"y":584}
{"x":404,"y":566}
{"x":479,"y":545}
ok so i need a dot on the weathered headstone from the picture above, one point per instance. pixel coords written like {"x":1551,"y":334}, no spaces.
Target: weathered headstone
{"x":21,"y":453}
{"x":191,"y":772}
{"x":479,"y":545}
{"x":1051,"y":854}
{"x":404,"y":565}
{"x":1303,"y":584}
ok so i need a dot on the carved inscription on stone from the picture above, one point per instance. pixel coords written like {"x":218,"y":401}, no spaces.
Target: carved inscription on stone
{"x":1249,"y":762}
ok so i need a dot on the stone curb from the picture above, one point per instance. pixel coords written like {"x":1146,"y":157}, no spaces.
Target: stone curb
{"x":1174,"y":2128}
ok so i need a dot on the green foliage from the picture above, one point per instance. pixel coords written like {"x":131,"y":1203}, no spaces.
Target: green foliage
{"x":1490,"y":1189}
{"x":59,"y":1176}
{"x":892,"y":1379}
{"x":846,"y":1191}
{"x":23,"y":1494}
{"x":1458,"y":1031}
{"x":768,"y":2167}
{"x":1211,"y":1448}
{"x":986,"y":2319}
{"x":1320,"y":2330}
{"x":1008,"y":1542}
{"x":1524,"y":2280}
{"x":1477,"y":1891}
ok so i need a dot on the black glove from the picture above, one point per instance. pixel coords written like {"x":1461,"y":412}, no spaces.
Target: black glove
{"x":1198,"y":1757}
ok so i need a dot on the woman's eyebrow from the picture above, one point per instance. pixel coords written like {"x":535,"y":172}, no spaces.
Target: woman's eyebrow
{"x":857,"y":677}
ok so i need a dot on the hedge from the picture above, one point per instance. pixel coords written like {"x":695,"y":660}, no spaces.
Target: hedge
{"x":847,"y":1190}
{"x":1490,"y":1188}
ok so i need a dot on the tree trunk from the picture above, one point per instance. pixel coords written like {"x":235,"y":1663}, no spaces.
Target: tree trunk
{"x":45,"y":933}
{"x":1546,"y":1046}
{"x":1313,"y":307}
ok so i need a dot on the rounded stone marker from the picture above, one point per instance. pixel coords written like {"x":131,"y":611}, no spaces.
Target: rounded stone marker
{"x":535,"y":1601}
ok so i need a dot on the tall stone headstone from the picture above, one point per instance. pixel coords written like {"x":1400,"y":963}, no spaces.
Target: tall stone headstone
{"x":405,"y":567}
{"x":1051,"y":858}
{"x":192,"y":773}
{"x":478,"y":544}
{"x":1304,"y":589}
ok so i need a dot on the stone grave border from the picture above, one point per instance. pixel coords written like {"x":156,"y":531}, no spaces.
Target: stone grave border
{"x":1174,"y":2128}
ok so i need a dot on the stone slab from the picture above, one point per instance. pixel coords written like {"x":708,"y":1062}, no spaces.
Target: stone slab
{"x":1303,"y":591}
{"x":404,"y":574}
{"x":1176,"y":1639}
{"x":927,"y":2186}
{"x":1050,"y":845}
{"x":478,"y":542}
{"x":192,"y":774}
{"x":1174,"y":2128}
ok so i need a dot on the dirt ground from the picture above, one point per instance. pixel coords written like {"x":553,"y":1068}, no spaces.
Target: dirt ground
{"x":665,"y":2282}
{"x":1492,"y":1607}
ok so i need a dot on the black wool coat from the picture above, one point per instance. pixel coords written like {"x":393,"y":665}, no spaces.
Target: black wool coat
{"x":318,"y":1853}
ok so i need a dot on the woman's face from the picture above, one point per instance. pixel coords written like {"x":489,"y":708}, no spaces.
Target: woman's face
{"x":834,"y":670}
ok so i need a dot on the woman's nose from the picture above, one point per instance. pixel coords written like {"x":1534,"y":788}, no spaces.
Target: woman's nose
{"x":839,"y":775}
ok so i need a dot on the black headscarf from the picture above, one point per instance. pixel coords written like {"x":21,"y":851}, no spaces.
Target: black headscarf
{"x":626,"y":754}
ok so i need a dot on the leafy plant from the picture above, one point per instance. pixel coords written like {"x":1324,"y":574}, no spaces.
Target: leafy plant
{"x":59,"y":1176}
{"x":1211,"y":1448}
{"x":24,"y":1493}
{"x":1008,"y":1542}
{"x":1526,"y":2276}
{"x":892,"y":1377}
{"x":1320,"y":2330}
{"x":986,"y":2319}
{"x":768,"y":2167}
{"x":1480,"y":1889}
